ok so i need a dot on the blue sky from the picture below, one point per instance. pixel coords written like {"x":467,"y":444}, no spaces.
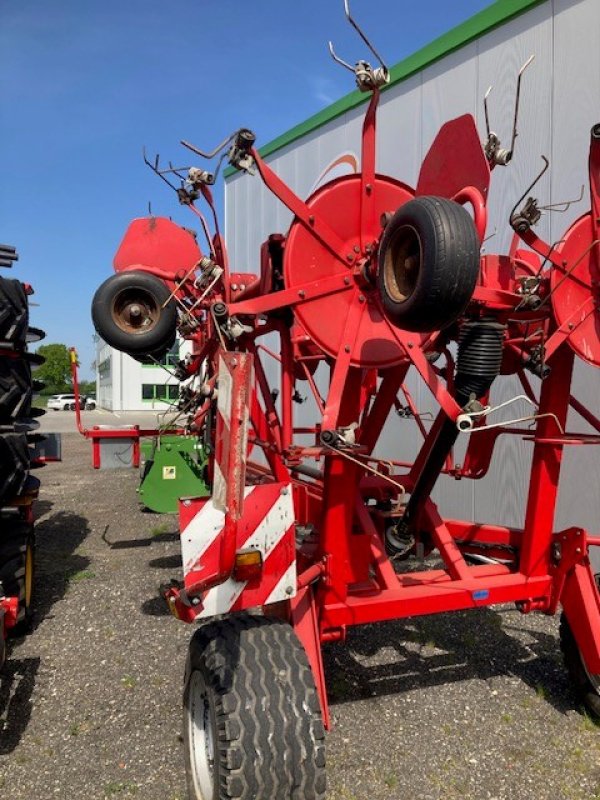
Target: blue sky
{"x":83,"y":85}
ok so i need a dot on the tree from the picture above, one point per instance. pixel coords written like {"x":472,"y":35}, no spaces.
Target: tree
{"x":56,"y":371}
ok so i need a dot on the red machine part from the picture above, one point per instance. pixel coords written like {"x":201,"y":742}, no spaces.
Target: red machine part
{"x":159,"y":246}
{"x":345,"y":498}
{"x":351,"y":315}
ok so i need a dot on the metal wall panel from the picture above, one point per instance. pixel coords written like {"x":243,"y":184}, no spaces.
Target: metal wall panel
{"x":560,"y":101}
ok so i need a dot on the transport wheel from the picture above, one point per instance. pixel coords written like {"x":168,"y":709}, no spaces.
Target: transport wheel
{"x":428,"y":264}
{"x":15,"y":389}
{"x":132,"y":312}
{"x":14,"y":311}
{"x":14,"y":465}
{"x":586,"y":684}
{"x":17,"y":550}
{"x":252,"y":719}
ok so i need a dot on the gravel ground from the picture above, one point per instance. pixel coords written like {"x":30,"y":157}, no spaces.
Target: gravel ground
{"x":470,"y":705}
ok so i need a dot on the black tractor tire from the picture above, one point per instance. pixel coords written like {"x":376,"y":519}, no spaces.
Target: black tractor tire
{"x":128,"y":313}
{"x":428,"y":264}
{"x":586,"y":686}
{"x":252,"y":719}
{"x":17,"y":569}
{"x":34,"y":335}
{"x":15,"y":457}
{"x":15,"y":389}
{"x":14,"y":311}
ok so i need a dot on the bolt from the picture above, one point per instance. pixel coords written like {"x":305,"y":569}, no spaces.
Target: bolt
{"x":347,"y":348}
{"x":410,"y":345}
{"x":570,"y":326}
{"x":368,"y":188}
{"x":234,"y":287}
{"x":356,"y":248}
{"x":311,"y":220}
{"x":578,"y":549}
{"x":346,"y":281}
{"x":302,"y":293}
{"x":350,"y":258}
{"x":195,"y":601}
{"x":361,"y":298}
{"x":135,"y":310}
{"x":289,"y":589}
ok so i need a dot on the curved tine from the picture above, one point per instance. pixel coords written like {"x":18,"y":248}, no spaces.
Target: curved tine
{"x":486,"y":111}
{"x":536,"y":179}
{"x":565,"y":205}
{"x":155,"y":169}
{"x":517,"y":101}
{"x":362,"y":35}
{"x":339,"y":60}
{"x":213,"y":153}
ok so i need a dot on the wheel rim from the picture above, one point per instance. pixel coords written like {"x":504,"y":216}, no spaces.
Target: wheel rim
{"x":28,"y":575}
{"x":200,"y":737}
{"x":401,"y":263}
{"x":135,"y":311}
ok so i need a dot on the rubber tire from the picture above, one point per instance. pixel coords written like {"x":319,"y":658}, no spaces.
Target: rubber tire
{"x":14,"y":311}
{"x":449,"y":265}
{"x":15,"y":457}
{"x":15,"y":389}
{"x":153,"y":340}
{"x":263,"y":709}
{"x":15,"y":542}
{"x":584,"y":688}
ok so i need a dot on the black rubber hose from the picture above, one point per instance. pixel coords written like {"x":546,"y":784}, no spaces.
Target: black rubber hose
{"x":477,"y":365}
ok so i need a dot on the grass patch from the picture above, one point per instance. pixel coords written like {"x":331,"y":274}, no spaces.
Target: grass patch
{"x":158,"y":530}
{"x":129,"y":682}
{"x":80,"y":575}
{"x":118,"y":787}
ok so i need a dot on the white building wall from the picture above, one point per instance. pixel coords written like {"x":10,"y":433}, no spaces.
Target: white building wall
{"x":120,"y":380}
{"x":559,"y":104}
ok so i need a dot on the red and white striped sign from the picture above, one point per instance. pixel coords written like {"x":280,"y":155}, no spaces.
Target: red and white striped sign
{"x":267,"y":524}
{"x":234,"y":385}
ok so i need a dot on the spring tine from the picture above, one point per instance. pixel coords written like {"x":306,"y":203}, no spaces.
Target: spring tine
{"x":566,"y":203}
{"x":362,"y":35}
{"x":211,"y":154}
{"x":517,"y":102}
{"x":486,"y":111}
{"x":339,"y":60}
{"x":530,"y":188}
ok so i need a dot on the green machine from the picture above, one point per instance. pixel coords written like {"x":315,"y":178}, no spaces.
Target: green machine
{"x":172,"y":467}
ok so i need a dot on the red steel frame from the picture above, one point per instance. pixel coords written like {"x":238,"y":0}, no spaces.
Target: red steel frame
{"x":345,"y":577}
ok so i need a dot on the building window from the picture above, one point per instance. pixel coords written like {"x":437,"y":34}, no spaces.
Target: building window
{"x":170,"y":358}
{"x":162,"y":392}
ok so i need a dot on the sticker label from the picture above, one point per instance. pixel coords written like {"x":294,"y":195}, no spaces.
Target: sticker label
{"x":169,"y":473}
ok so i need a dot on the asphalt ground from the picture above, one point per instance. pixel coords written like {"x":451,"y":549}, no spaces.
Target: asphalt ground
{"x":471,"y":705}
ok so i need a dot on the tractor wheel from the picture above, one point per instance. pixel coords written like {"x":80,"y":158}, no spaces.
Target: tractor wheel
{"x":252,"y":719}
{"x":14,"y":465}
{"x":15,"y":389}
{"x":586,"y":685}
{"x":428,"y":264}
{"x":132,"y":312}
{"x":14,"y":311}
{"x":17,"y":549}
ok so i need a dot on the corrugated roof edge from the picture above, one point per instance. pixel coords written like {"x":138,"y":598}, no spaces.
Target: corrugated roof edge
{"x":492,"y":17}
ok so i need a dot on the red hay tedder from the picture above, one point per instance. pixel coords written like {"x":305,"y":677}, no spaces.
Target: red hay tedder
{"x":301,"y":536}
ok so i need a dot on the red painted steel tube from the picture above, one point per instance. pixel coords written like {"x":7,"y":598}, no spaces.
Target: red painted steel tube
{"x":420,"y":598}
{"x":309,"y":575}
{"x":545,"y":467}
{"x":474,"y":197}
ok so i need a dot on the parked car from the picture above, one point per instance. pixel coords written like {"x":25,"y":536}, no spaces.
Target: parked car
{"x":61,"y":402}
{"x":66,"y":402}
